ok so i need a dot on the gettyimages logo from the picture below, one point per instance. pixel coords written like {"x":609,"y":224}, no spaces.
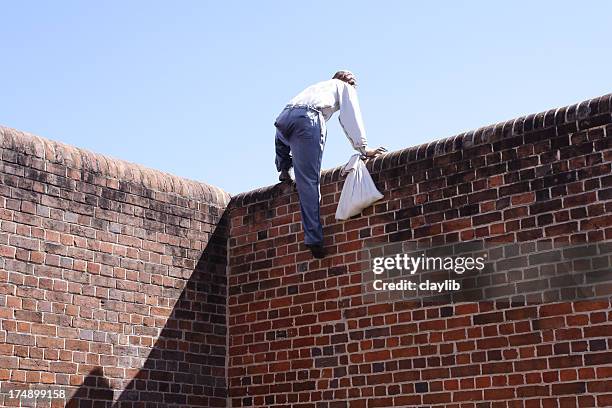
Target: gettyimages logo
{"x":527,"y":272}
{"x":406,"y":265}
{"x":412,"y":264}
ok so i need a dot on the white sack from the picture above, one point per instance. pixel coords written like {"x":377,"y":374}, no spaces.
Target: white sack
{"x":358,"y":191}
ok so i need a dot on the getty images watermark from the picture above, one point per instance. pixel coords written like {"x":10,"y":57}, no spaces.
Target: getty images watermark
{"x":410,"y":265}
{"x":527,"y":272}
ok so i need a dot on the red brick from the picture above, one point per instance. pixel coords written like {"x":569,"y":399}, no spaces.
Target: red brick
{"x":116,"y":263}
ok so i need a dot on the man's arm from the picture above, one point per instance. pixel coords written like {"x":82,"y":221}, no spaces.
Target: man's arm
{"x":351,"y":121}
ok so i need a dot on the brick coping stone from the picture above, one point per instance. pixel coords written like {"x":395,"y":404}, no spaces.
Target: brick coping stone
{"x":121,"y":170}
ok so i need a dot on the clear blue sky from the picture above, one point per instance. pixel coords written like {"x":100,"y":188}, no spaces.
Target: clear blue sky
{"x":193,"y":87}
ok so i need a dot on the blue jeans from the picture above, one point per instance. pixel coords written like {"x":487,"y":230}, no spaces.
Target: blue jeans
{"x":299,"y":143}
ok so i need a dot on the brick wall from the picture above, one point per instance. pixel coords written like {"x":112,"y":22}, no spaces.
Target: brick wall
{"x":133,"y":288}
{"x":301,"y":333}
{"x":112,"y":280}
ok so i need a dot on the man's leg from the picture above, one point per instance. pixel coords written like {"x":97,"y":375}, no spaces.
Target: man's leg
{"x":283,"y":153}
{"x":307,"y":149}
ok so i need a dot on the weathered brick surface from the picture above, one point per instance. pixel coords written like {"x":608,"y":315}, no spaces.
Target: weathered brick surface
{"x":112,"y":279}
{"x":301,"y":334}
{"x":135,"y":288}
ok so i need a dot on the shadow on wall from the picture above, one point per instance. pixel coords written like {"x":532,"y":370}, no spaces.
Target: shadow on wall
{"x":95,"y":391}
{"x":186,"y":366}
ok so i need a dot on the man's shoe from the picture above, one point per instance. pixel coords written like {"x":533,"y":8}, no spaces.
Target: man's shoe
{"x":284,"y":176}
{"x":317,"y":251}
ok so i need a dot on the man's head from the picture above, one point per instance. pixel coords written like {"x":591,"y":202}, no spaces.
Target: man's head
{"x":346,"y":76}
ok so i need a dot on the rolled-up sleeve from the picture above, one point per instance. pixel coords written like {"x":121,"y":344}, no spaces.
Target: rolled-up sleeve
{"x":350,"y":117}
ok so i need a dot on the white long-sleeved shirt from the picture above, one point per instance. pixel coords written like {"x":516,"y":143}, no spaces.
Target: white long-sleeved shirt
{"x":333,"y":95}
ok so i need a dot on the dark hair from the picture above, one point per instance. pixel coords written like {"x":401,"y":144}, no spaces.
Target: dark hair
{"x":346,"y":76}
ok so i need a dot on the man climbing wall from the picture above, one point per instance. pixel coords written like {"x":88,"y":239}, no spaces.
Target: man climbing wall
{"x":300,"y":139}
